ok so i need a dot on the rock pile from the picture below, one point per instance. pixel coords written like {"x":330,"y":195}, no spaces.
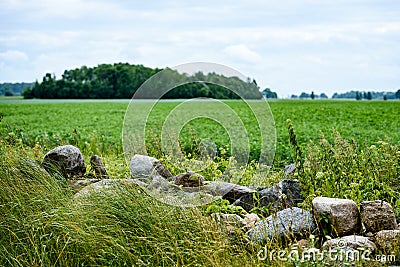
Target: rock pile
{"x":372,"y":227}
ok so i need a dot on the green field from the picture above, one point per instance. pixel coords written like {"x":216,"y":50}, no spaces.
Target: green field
{"x":79,"y":122}
{"x":356,"y":157}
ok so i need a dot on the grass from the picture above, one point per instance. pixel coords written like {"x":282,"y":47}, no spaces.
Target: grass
{"x":42,"y":225}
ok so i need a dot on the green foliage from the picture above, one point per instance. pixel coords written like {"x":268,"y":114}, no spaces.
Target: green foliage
{"x":298,"y":154}
{"x":122,"y":80}
{"x":342,"y":169}
{"x":222,"y":206}
{"x":13,"y":88}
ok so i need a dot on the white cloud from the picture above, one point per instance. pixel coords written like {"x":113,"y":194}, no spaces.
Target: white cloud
{"x":13,"y":56}
{"x":242,"y":52}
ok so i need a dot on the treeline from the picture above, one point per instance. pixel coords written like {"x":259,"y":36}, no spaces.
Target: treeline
{"x":312,"y":95}
{"x":359,"y":95}
{"x":121,"y":80}
{"x":11,"y":89}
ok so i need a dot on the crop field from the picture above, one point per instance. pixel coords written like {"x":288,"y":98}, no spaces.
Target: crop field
{"x":345,"y":149}
{"x":97,"y":125}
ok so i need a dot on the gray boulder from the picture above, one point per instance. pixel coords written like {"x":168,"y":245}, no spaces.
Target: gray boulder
{"x":145,"y":167}
{"x":342,"y":215}
{"x":285,"y":194}
{"x":225,"y":190}
{"x":377,"y":215}
{"x":286,"y":224}
{"x":67,"y":160}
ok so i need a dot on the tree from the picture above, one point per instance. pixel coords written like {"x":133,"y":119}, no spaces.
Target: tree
{"x":304,"y":95}
{"x":323,"y":95}
{"x":8,"y":92}
{"x":122,"y":80}
{"x":27,"y":93}
{"x":369,"y":96}
{"x":385,"y":97}
{"x":358,"y":96}
{"x":397,"y":94}
{"x":312,"y":95}
{"x":267,"y":93}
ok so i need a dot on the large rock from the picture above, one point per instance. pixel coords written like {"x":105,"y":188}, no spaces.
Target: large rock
{"x":226,"y":190}
{"x":168,"y":192}
{"x":105,"y":186}
{"x":288,"y":223}
{"x":350,"y":242}
{"x":77,"y":185}
{"x":388,"y":240}
{"x":145,"y":168}
{"x":285,"y":194}
{"x":342,"y":215}
{"x":189,"y":179}
{"x":67,"y":160}
{"x":377,"y":215}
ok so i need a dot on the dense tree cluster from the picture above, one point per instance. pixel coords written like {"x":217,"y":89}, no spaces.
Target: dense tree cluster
{"x":304,"y":95}
{"x":267,"y":93}
{"x":122,"y":80}
{"x":359,"y":95}
{"x":10,"y":89}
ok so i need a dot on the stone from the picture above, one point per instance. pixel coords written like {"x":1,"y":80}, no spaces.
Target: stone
{"x":290,"y":188}
{"x":249,"y":220}
{"x":377,"y":215}
{"x":285,"y":224}
{"x":354,"y":242}
{"x":342,"y":215}
{"x":388,"y":239}
{"x":303,"y":244}
{"x":226,"y":190}
{"x":235,"y":192}
{"x":285,"y":194}
{"x":145,"y":167}
{"x":105,"y":186}
{"x":289,"y":169}
{"x":168,"y":192}
{"x":189,"y":179}
{"x":67,"y":160}
{"x":77,"y":185}
{"x":97,"y":166}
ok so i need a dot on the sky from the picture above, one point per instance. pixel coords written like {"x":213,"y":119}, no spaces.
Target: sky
{"x":289,"y":46}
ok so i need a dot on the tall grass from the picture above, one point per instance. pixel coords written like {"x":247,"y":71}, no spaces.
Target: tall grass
{"x":42,"y":224}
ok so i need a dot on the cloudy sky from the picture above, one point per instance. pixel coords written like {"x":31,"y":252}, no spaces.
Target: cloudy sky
{"x":288,"y":45}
